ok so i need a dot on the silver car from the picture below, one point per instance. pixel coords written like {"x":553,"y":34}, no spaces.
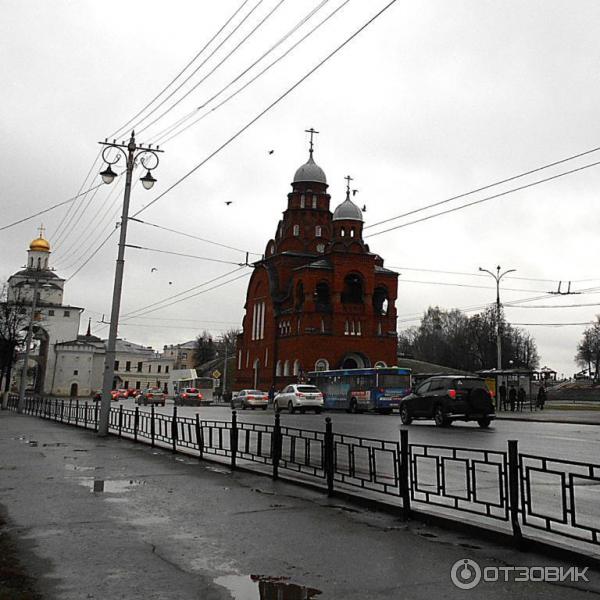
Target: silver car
{"x":299,"y":396}
{"x":251,"y":399}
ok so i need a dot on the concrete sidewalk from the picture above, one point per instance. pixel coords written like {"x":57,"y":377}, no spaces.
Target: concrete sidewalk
{"x":107,"y":518}
{"x":549,"y":415}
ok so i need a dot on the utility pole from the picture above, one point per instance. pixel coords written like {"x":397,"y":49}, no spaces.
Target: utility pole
{"x":148,"y":156}
{"x":23,"y":384}
{"x":224,"y":372}
{"x":498,"y":276}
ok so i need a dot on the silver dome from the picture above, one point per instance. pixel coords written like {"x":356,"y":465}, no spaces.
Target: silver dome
{"x":348,"y":211}
{"x":310,"y":172}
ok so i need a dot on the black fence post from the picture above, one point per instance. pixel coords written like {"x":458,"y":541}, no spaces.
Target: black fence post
{"x":405,"y":473}
{"x":233,"y":438}
{"x":85,"y":414}
{"x":152,"y":432}
{"x":76,"y":412}
{"x":136,"y":423}
{"x":329,"y":457}
{"x":513,"y":491}
{"x":62,"y":410}
{"x":96,"y":416}
{"x":120,"y":419}
{"x":199,"y":438}
{"x":276,"y":445}
{"x":174,"y":432}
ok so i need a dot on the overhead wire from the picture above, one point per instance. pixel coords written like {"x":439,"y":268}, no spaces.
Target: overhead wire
{"x":198,"y":54}
{"x":184,"y":255}
{"x":486,"y":187}
{"x":486,"y":199}
{"x":269,"y":107}
{"x":160,"y":136}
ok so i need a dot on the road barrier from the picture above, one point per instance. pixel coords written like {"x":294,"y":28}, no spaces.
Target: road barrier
{"x":505,"y":491}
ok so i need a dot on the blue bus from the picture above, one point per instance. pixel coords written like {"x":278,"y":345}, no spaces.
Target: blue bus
{"x":357,"y":390}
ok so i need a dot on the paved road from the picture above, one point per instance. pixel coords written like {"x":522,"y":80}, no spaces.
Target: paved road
{"x":556,"y":440}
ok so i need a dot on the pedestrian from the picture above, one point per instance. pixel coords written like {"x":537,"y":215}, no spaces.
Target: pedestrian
{"x":272,"y":393}
{"x":521,"y":398}
{"x":512,"y":398}
{"x":541,"y":397}
{"x":502,"y":397}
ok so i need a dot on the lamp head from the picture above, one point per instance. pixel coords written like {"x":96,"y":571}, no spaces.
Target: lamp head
{"x":108,"y":175}
{"x":147,"y":180}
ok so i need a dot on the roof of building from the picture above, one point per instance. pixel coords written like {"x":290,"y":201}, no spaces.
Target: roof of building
{"x":40,"y":244}
{"x":379,"y":269}
{"x":347,"y":211}
{"x":310,"y":172}
{"x":39,"y":273}
{"x":126,"y":346}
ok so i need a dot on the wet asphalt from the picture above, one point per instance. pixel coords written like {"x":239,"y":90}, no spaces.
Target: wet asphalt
{"x":107,"y":518}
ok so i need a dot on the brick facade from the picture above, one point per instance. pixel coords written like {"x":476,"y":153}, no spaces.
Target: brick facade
{"x":319,"y":298}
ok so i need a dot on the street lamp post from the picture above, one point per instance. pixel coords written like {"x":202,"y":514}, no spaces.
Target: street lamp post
{"x":498,"y":276}
{"x":149,"y":158}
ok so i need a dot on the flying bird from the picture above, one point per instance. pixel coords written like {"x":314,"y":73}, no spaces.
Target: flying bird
{"x":364,"y":208}
{"x":170,"y":283}
{"x":153,"y":269}
{"x":271,"y":151}
{"x":228,"y":202}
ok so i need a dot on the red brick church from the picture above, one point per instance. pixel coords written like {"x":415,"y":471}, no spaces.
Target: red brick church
{"x":318,"y":299}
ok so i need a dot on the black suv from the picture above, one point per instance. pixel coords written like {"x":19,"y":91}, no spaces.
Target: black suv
{"x":449,"y":398}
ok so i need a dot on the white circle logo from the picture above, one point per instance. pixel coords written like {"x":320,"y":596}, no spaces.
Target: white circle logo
{"x":465,"y":574}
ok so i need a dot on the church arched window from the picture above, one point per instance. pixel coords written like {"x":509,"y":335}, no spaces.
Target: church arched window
{"x":296,"y":230}
{"x":380,"y":300}
{"x":353,"y":289}
{"x":318,"y":231}
{"x":302,"y":200}
{"x":286,"y":368}
{"x":322,"y":365}
{"x":314,"y":201}
{"x":299,"y":295}
{"x":31,"y":261}
{"x":39,"y":263}
{"x":278,"y":369}
{"x":352,"y":232}
{"x":343,"y":232}
{"x":296,"y":367}
{"x":322,"y":296}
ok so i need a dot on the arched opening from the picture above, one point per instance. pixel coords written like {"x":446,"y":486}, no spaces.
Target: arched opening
{"x":286,"y":368}
{"x":380,"y":300}
{"x":296,"y":370}
{"x":352,"y":232}
{"x":380,"y":364}
{"x":296,"y":230}
{"x":318,"y":231}
{"x":354,"y":360}
{"x":314,"y":201}
{"x":353,"y":289}
{"x":31,"y":261}
{"x":279,"y":369}
{"x":302,"y":200}
{"x":342,"y":232}
{"x":39,"y":263}
{"x":74,"y":390}
{"x":322,"y":365}
{"x":322,"y":296}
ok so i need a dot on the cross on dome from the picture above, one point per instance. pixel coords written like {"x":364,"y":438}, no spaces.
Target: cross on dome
{"x":312,"y":131}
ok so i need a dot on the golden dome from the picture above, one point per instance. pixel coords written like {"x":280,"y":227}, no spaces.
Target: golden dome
{"x":40,"y":245}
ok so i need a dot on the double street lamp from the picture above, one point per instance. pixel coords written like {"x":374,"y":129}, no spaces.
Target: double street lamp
{"x":148,"y":157}
{"x":498,"y":276}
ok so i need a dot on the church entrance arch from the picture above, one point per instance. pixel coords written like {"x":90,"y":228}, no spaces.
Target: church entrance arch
{"x":354,"y":360}
{"x":74,"y":390}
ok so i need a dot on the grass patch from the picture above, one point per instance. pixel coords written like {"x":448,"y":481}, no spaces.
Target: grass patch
{"x":15,"y":584}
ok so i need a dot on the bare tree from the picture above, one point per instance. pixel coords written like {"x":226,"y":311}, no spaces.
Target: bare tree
{"x":588,"y":349}
{"x":14,"y":317}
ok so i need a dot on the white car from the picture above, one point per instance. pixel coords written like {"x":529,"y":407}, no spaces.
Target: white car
{"x":299,"y":396}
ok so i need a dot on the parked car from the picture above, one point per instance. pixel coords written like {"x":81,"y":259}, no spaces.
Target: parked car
{"x":251,"y":399}
{"x":131,"y":393}
{"x":300,"y":397}
{"x":449,"y":398}
{"x":123,"y":393}
{"x":151,"y":396}
{"x":189,"y":397}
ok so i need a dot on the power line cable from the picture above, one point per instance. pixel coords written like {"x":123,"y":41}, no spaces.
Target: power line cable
{"x":215,"y":50}
{"x":198,"y":54}
{"x":468,"y":274}
{"x":158,"y":250}
{"x":485,"y":187}
{"x":499,"y":195}
{"x":466,"y":285}
{"x":160,"y":136}
{"x":92,"y":255}
{"x":269,"y":107}
{"x":194,"y":237}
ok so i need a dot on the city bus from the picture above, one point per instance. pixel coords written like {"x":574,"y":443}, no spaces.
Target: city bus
{"x":357,"y":390}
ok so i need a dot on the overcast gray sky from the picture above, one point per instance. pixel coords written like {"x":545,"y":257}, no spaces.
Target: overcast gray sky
{"x":432,"y":100}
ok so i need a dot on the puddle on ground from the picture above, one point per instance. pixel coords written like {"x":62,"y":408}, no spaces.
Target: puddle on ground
{"x":110,"y":486}
{"x":262,"y":587}
{"x":70,"y":467}
{"x":34,"y":443}
{"x":55,"y":444}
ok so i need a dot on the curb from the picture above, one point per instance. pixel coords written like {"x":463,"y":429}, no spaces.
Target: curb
{"x":549,"y":420}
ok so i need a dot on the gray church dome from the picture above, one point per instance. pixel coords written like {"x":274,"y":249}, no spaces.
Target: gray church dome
{"x":347,"y":211}
{"x":310,"y":172}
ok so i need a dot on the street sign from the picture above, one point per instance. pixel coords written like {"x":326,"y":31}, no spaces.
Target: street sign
{"x":216,"y":373}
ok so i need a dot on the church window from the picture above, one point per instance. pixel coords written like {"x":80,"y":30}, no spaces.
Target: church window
{"x":266,"y":357}
{"x":352,"y":232}
{"x":128,"y":365}
{"x":358,"y":330}
{"x":286,"y":368}
{"x":39,"y":263}
{"x":302,"y":200}
{"x":116,"y":365}
{"x":314,"y":202}
{"x":149,"y":368}
{"x":380,"y":364}
{"x":166,"y":368}
{"x":139,"y":368}
{"x":322,"y":326}
{"x":158,"y":368}
{"x":296,"y":367}
{"x":45,"y":263}
{"x":298,"y":327}
{"x":75,"y":372}
{"x":31,"y":261}
{"x":240,"y":359}
{"x":343,"y":232}
{"x":67,"y":313}
{"x":51,"y":313}
{"x":380,"y":300}
{"x":346,"y":328}
{"x":378,"y":328}
{"x":278,"y":369}
{"x":296,"y":230}
{"x":322,"y":365}
{"x":353,"y":289}
{"x":318,"y":231}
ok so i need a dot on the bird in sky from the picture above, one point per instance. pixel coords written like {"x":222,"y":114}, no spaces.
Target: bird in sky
{"x":228,"y":202}
{"x":271,"y":151}
{"x":170,"y":283}
{"x":153,"y":269}
{"x":354,"y":192}
{"x":364,"y":208}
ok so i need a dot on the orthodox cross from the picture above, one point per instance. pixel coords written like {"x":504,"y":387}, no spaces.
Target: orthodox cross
{"x":348,"y":180}
{"x":312,"y":131}
{"x":42,"y":229}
